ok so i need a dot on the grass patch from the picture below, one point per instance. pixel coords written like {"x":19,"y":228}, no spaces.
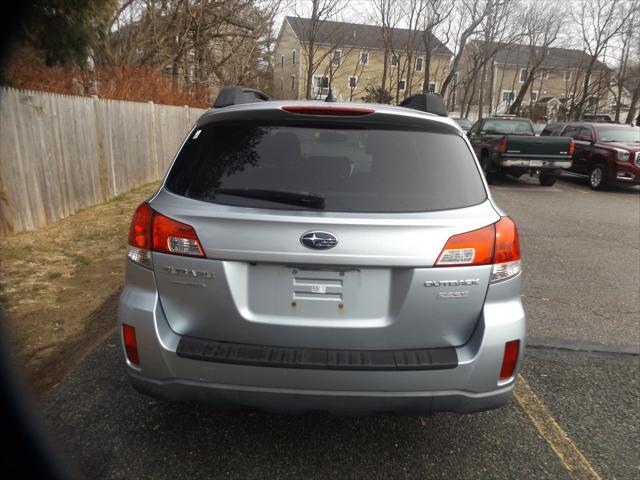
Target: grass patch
{"x":82,"y":260}
{"x":85,"y":255}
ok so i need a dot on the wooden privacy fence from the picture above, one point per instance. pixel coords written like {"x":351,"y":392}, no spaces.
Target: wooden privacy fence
{"x":61,"y":153}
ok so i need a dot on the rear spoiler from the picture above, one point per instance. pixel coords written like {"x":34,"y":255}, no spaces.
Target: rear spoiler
{"x":426,"y":102}
{"x":234,"y":95}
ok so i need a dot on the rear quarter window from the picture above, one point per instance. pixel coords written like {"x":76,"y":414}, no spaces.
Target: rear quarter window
{"x":353,"y":170}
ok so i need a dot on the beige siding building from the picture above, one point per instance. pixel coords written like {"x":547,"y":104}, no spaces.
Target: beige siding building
{"x":560,"y":77}
{"x":349,"y":59}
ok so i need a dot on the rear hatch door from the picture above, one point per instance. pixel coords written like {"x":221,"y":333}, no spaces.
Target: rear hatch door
{"x":390,"y":198}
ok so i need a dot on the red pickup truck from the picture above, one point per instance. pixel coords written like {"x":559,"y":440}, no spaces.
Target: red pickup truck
{"x":605,"y":152}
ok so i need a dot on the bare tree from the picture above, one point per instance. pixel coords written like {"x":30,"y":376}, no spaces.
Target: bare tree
{"x":436,"y":20}
{"x":600,"y":22}
{"x":387,"y":15}
{"x":541,"y":23}
{"x":624,"y":71}
{"x":199,"y":43}
{"x":413,"y":12}
{"x":635,"y":97}
{"x":471,"y":13}
{"x":498,"y":31}
{"x":315,"y":54}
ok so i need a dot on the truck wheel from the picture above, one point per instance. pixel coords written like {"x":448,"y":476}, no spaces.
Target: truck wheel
{"x":598,"y":177}
{"x":484,"y":163}
{"x":547,"y":180}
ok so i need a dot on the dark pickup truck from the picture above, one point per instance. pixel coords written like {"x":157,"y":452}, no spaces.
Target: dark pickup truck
{"x":509,"y":145}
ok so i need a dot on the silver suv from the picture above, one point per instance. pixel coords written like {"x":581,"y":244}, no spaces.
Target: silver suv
{"x":311,"y":256}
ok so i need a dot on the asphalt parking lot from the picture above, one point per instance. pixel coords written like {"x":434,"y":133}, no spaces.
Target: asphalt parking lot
{"x":575,"y":413}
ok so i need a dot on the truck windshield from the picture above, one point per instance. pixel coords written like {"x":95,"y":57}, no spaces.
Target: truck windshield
{"x":508,"y":127}
{"x":619,"y":134}
{"x":327,"y":169}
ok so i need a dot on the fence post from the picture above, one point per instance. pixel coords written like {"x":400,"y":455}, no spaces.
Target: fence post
{"x":186,"y":111}
{"x":102,"y":167}
{"x":154,"y":140}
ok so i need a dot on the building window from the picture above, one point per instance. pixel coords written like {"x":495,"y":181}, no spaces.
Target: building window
{"x":432,"y":87}
{"x":353,"y":82}
{"x":534,"y":96}
{"x":524,"y":73}
{"x":293,"y":82}
{"x":281,"y":61}
{"x":192,"y":72}
{"x":293,"y":57}
{"x":337,"y":57}
{"x":139,"y":50}
{"x":419,"y":64}
{"x":508,"y":96}
{"x":545,"y":74}
{"x":364,"y":58}
{"x":402,"y":84}
{"x":282,"y":84}
{"x":592,"y":101}
{"x":320,"y":85}
{"x":567,"y":76}
{"x":394,"y":60}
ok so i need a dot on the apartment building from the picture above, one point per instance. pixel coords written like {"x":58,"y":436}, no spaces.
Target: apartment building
{"x":351,"y":59}
{"x":560,"y":77}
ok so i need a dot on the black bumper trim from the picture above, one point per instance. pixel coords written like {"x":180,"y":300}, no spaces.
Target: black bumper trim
{"x":317,"y":358}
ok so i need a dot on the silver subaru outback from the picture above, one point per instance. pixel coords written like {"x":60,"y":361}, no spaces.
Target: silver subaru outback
{"x":311,"y":256}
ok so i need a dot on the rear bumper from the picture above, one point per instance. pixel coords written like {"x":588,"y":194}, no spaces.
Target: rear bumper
{"x":537,"y":164}
{"x":472,"y":385}
{"x":299,"y":401}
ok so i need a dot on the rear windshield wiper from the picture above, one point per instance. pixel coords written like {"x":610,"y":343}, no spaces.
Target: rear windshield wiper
{"x":290,"y":198}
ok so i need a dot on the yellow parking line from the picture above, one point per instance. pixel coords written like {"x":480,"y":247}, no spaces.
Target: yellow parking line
{"x":568,"y":453}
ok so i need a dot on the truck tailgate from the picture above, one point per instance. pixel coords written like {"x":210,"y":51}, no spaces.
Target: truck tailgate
{"x":537,"y":147}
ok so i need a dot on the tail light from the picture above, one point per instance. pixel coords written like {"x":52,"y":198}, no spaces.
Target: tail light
{"x":333,"y":111}
{"x":572,"y":147}
{"x":171,"y":236}
{"x":130,"y":343}
{"x":140,"y":235}
{"x":502,"y":145}
{"x":471,"y":248}
{"x":497,"y":245}
{"x":509,"y":360}
{"x":152,"y":231}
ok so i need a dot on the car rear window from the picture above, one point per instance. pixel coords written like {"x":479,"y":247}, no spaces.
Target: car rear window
{"x":352,"y":170}
{"x":619,"y":134}
{"x":508,"y":127}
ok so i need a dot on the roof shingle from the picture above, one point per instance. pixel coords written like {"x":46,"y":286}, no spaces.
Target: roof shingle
{"x":557,"y":58}
{"x":359,"y":35}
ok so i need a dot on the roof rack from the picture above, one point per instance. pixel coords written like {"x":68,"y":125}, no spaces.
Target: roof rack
{"x":426,"y":102}
{"x":234,"y":95}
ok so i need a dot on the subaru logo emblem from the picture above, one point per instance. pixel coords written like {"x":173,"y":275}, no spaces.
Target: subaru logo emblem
{"x":318,"y":240}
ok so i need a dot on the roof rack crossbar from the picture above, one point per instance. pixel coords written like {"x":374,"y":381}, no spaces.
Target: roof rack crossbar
{"x":234,"y":95}
{"x":426,"y":102}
